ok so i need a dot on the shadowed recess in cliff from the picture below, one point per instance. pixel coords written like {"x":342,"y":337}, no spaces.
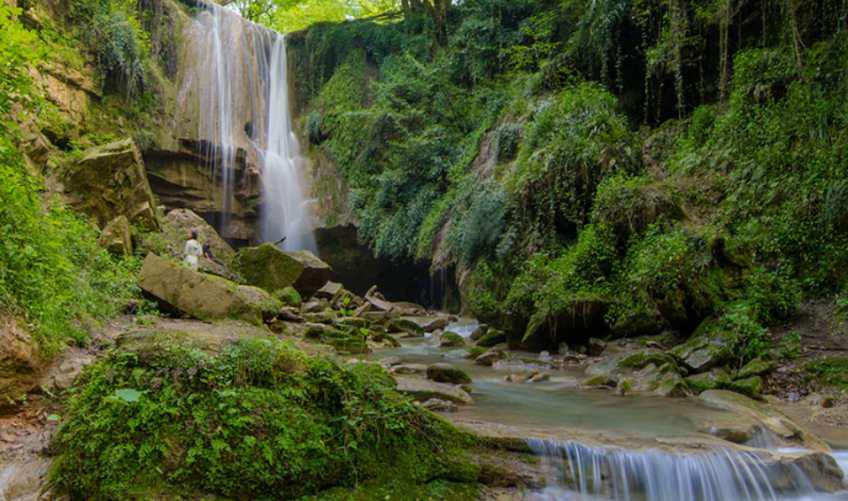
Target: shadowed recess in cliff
{"x":236,"y":92}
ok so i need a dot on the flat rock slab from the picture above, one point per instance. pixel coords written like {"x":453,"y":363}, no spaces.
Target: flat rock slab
{"x":423,"y":390}
{"x":179,"y":289}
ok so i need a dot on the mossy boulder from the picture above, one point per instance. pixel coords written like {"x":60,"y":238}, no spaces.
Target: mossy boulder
{"x":750,"y":386}
{"x":406,"y":326}
{"x":447,"y":373}
{"x":116,"y":237}
{"x":253,"y":401}
{"x":758,"y":367}
{"x":715,"y":379}
{"x":492,"y":338}
{"x":170,"y":242}
{"x":709,"y":346}
{"x":289,"y":297}
{"x":181,"y":290}
{"x":596,"y":346}
{"x":670,"y":385}
{"x":423,"y":390}
{"x":110,"y":181}
{"x":273,"y":269}
{"x":451,"y":339}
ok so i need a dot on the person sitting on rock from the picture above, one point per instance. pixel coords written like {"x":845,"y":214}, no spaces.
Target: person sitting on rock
{"x":192,"y":250}
{"x":207,"y":253}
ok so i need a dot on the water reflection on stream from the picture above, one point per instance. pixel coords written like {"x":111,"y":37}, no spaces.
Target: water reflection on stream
{"x":559,"y":406}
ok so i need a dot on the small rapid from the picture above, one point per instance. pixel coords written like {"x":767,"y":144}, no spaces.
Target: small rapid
{"x":579,"y":472}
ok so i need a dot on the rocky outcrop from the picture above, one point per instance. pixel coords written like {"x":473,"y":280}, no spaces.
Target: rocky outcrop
{"x":272,"y":269}
{"x":183,"y":179}
{"x":116,"y":237}
{"x":180,"y":290}
{"x":20,"y":364}
{"x":110,"y":181}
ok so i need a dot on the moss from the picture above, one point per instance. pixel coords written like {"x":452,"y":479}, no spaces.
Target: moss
{"x":257,"y":418}
{"x":289,"y":297}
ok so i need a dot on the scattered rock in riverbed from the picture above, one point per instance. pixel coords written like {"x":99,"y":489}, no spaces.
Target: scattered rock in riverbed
{"x":605,"y":380}
{"x":406,"y":326}
{"x":632,"y":360}
{"x":715,"y":379}
{"x":479,"y":332}
{"x":530,"y":377}
{"x":750,"y":387}
{"x":451,"y":339}
{"x":447,"y":373}
{"x":491,"y":356}
{"x":596,"y":347}
{"x":423,"y":390}
{"x":390,"y":361}
{"x":439,"y":405}
{"x":410,"y":368}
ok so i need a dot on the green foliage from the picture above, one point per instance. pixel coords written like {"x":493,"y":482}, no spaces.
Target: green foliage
{"x":508,"y":137}
{"x":51,"y":269}
{"x":831,"y":371}
{"x":17,"y":54}
{"x":115,"y":35}
{"x":258,"y":419}
{"x":750,"y":339}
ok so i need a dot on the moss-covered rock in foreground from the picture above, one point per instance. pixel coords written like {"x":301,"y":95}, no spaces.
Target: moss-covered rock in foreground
{"x":251,"y":419}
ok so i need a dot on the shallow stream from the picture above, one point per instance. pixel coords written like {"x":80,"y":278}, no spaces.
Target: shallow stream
{"x":558,"y":407}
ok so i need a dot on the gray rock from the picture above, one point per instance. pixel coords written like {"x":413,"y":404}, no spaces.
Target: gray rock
{"x":433,"y":324}
{"x":491,"y":356}
{"x":708,"y":347}
{"x":410,"y":368}
{"x":438,"y":405}
{"x":390,"y":361}
{"x":716,"y":379}
{"x":329,"y":290}
{"x":451,"y":339}
{"x":492,"y":338}
{"x":596,"y":347}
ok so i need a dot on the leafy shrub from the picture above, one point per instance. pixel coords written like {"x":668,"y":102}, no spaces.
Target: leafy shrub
{"x":750,"y":339}
{"x":831,"y":371}
{"x":258,"y":419}
{"x":508,"y":137}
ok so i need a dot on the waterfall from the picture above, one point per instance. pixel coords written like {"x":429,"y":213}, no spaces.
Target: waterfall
{"x":716,"y":474}
{"x":238,"y":103}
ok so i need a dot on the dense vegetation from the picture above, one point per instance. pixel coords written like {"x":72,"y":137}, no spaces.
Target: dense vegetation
{"x":51,"y":271}
{"x":257,"y":420}
{"x":629,"y":164}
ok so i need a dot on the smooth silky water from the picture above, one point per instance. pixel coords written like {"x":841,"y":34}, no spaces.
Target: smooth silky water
{"x":607,"y":473}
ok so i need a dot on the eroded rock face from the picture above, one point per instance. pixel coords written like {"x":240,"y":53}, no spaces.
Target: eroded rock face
{"x":272,"y":269}
{"x":110,"y":181}
{"x":181,"y":290}
{"x":116,"y":237}
{"x":20,"y":365}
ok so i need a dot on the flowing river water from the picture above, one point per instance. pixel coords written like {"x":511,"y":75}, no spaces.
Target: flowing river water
{"x":557,"y":408}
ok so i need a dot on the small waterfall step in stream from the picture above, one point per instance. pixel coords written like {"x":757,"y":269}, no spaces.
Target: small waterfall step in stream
{"x":239,"y":90}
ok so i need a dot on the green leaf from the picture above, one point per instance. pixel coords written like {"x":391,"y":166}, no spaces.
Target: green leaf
{"x":54,"y":417}
{"x":127,"y":395}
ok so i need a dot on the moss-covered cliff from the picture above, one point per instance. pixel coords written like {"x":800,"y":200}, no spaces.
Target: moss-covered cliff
{"x":592,"y":166}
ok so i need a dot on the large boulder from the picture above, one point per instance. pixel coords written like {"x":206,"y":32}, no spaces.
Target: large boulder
{"x":272,"y":269}
{"x":171,"y":240}
{"x":116,"y":237}
{"x":110,"y":181}
{"x":181,"y":290}
{"x":709,"y":346}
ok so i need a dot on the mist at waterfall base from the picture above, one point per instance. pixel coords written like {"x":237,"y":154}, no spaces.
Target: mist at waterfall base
{"x":241,"y":89}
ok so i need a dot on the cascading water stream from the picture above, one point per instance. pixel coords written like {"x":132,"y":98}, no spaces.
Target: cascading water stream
{"x":242,"y":114}
{"x":577,"y":471}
